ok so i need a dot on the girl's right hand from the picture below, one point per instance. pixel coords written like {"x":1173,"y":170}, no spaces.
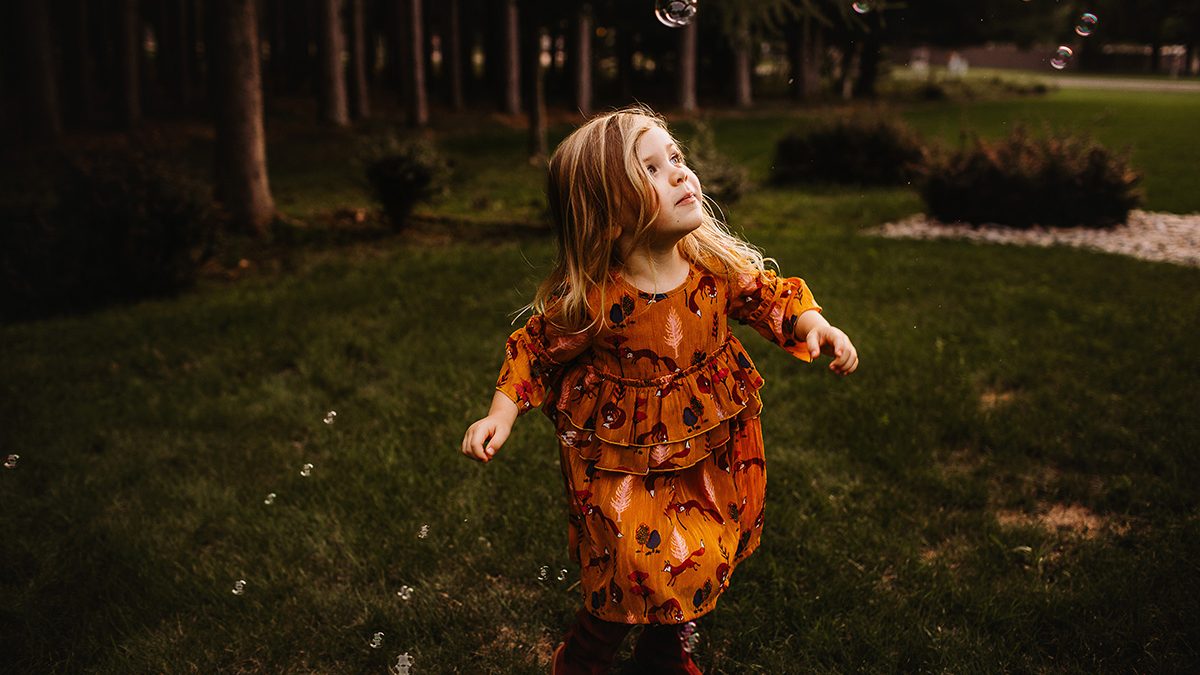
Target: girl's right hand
{"x":485,"y":437}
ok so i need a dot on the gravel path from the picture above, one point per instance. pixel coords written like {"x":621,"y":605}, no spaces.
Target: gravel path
{"x":1164,"y":237}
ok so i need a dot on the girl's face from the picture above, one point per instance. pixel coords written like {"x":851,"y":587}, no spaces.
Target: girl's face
{"x":677,"y":187}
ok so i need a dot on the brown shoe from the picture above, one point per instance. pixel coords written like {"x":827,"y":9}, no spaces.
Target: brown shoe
{"x":589,"y":646}
{"x":659,"y":651}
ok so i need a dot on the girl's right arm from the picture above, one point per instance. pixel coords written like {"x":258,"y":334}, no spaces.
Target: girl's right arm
{"x":533,"y":355}
{"x":484,"y":437}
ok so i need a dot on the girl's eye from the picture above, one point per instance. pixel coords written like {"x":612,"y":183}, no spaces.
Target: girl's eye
{"x":651,"y":170}
{"x":677,"y":158}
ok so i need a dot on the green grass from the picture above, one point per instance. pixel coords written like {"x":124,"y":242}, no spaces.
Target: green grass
{"x":994,"y":381}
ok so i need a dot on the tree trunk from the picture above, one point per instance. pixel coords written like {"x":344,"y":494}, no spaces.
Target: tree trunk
{"x":241,"y":154}
{"x":804,"y":51}
{"x":687,"y":68}
{"x":535,"y":94}
{"x":80,"y":89}
{"x":40,"y":82}
{"x":512,"y":56}
{"x":583,"y":60}
{"x":360,"y":104}
{"x":175,"y":54}
{"x":129,"y":47}
{"x":454,"y":53}
{"x":868,"y":65}
{"x":331,"y":75}
{"x":418,"y":111}
{"x":743,"y":75}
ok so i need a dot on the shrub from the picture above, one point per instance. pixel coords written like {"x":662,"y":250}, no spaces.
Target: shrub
{"x":863,"y":151}
{"x":120,"y":226}
{"x":721,"y":178}
{"x":402,"y":174}
{"x":1023,"y":181}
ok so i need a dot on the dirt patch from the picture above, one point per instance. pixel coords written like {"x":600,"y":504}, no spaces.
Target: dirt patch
{"x":1071,"y":519}
{"x":990,"y":400}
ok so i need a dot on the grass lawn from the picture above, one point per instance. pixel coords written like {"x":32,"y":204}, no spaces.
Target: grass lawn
{"x":1008,"y":483}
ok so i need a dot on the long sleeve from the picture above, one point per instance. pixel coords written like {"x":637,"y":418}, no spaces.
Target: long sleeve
{"x":533,"y":356}
{"x":771,"y":305}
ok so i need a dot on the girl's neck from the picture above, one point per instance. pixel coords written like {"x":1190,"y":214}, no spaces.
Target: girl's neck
{"x":649,"y":265}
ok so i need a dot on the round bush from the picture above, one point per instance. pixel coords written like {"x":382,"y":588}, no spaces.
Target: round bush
{"x":854,"y":150}
{"x":121,"y":226}
{"x":402,"y":174}
{"x":1022,"y":181}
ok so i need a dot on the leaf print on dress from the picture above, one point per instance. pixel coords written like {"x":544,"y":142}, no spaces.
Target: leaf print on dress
{"x":674,"y":332}
{"x":679,"y":546}
{"x":620,"y":500}
{"x":709,"y":491}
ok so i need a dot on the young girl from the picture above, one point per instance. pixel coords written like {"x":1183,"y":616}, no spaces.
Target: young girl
{"x":654,"y":400}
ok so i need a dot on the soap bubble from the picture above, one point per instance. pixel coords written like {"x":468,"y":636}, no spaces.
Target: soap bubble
{"x":270,"y":498}
{"x":330,"y":416}
{"x":306,"y":470}
{"x":10,"y":462}
{"x":1062,"y":57}
{"x":543,"y":572}
{"x":562,"y":574}
{"x":1087,"y":24}
{"x":403,"y":663}
{"x":861,"y":7}
{"x":376,"y":640}
{"x":404,"y":593}
{"x":424,"y":532}
{"x":239,"y":587}
{"x":675,"y":13}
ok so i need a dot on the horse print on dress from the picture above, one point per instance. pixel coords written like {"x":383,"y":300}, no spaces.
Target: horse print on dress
{"x":650,"y":355}
{"x":678,"y":507}
{"x":688,"y":563}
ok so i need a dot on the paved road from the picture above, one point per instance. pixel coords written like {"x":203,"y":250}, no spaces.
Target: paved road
{"x":1123,"y":83}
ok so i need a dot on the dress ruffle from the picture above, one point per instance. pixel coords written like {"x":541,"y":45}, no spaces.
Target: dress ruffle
{"x":661,"y":424}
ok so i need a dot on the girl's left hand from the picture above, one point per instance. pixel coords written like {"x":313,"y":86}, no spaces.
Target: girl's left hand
{"x":833,"y":342}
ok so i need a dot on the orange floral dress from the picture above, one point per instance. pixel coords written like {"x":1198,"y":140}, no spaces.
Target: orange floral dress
{"x":660,"y":444}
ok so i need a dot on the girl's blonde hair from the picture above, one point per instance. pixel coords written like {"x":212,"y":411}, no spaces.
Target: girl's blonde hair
{"x":596,"y":186}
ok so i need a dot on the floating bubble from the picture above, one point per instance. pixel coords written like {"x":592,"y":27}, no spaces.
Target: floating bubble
{"x":306,"y":470}
{"x":1087,"y":24}
{"x":562,"y":574}
{"x":270,"y":498}
{"x":10,"y":462}
{"x":376,"y":640}
{"x":1061,"y":58}
{"x":675,"y":13}
{"x":330,"y":416}
{"x":239,"y":587}
{"x":543,"y":572}
{"x":861,"y":7}
{"x":403,"y":663}
{"x":424,"y":532}
{"x":404,"y":593}
{"x":483,"y":541}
